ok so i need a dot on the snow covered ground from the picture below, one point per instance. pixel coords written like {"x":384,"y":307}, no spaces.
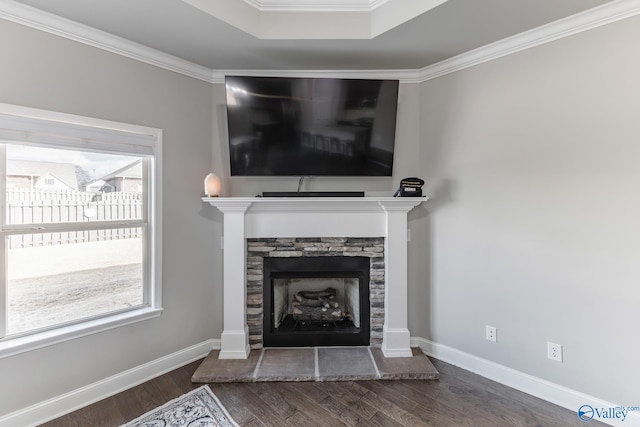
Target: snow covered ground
{"x":51,"y":285}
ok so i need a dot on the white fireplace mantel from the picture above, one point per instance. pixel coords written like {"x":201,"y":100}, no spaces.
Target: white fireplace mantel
{"x":259,"y":217}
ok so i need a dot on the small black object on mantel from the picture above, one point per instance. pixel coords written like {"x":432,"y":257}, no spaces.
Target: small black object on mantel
{"x":410,"y":187}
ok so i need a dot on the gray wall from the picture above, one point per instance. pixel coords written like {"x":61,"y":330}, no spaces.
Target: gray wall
{"x":43,"y":71}
{"x":534,"y":225}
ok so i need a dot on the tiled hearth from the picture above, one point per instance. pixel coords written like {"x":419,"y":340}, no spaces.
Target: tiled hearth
{"x":315,"y":364}
{"x":247,"y":218}
{"x":290,"y":247}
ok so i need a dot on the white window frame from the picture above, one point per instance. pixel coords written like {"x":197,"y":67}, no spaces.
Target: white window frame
{"x":42,"y":128}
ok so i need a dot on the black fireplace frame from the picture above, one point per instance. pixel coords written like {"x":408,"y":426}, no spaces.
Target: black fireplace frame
{"x":316,"y":267}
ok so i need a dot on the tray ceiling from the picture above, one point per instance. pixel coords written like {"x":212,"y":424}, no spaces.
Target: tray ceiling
{"x":176,"y":28}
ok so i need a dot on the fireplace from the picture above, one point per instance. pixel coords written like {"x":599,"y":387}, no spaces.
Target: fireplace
{"x":249,"y":226}
{"x":284,"y":276}
{"x":316,"y":301}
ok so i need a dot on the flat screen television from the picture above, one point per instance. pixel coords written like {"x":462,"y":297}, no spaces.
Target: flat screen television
{"x":311,"y":126}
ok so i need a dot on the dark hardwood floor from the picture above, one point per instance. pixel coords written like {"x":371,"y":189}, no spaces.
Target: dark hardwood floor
{"x":459,"y":398}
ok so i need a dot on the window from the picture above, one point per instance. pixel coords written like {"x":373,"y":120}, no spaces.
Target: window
{"x":81,"y":252}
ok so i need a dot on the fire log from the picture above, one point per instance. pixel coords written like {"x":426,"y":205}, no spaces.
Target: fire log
{"x":303,"y":312}
{"x":327,"y":293}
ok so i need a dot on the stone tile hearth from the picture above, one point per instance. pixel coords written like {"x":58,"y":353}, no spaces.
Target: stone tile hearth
{"x":315,"y":364}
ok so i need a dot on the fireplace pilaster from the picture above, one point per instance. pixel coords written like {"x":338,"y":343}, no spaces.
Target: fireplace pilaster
{"x":395,"y":334}
{"x":235,"y":336}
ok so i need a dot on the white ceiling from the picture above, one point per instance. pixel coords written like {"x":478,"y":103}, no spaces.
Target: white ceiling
{"x":179,"y":29}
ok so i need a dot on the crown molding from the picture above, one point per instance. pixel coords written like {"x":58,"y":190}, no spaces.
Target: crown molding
{"x":405,"y":76}
{"x":53,"y":24}
{"x":608,"y":13}
{"x":574,"y":24}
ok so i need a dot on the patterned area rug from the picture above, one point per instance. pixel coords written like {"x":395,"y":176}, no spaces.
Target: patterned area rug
{"x":198,"y":408}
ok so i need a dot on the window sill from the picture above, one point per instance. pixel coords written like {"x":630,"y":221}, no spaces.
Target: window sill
{"x":13,"y":346}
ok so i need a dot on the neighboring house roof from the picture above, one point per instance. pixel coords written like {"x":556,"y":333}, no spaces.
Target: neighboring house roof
{"x":65,"y":172}
{"x":132,"y":170}
{"x":97,"y":185}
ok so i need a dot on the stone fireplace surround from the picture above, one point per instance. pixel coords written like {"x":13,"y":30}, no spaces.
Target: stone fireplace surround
{"x":323,"y":217}
{"x":292,"y":247}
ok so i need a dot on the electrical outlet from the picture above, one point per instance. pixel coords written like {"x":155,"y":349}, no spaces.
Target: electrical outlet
{"x":554,"y":351}
{"x":492,"y":334}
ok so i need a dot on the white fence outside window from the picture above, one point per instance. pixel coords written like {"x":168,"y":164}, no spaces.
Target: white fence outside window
{"x":60,"y":206}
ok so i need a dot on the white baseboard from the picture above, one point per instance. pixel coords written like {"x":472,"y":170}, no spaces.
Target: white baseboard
{"x":543,"y":389}
{"x":76,"y":399}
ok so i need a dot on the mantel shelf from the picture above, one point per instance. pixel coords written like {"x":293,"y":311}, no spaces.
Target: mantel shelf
{"x":315,"y":204}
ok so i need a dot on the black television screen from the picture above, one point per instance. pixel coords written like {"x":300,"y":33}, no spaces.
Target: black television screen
{"x":311,"y":126}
